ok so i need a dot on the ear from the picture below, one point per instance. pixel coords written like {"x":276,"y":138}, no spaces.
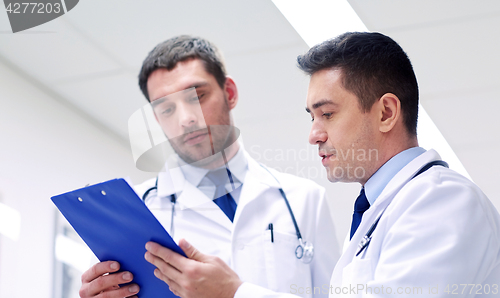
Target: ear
{"x":390,"y":111}
{"x":231,"y":92}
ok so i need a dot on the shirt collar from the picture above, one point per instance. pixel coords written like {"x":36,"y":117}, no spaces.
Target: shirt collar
{"x":238,"y":165}
{"x":378,"y":181}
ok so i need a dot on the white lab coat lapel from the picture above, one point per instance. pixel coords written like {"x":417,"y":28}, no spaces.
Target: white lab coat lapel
{"x":339,"y":278}
{"x":257,"y":181}
{"x":190,"y":197}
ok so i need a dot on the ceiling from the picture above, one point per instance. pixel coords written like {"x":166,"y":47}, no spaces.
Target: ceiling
{"x":454,"y":48}
{"x":89,"y":59}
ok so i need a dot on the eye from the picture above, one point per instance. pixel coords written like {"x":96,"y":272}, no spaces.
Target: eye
{"x":167,"y":111}
{"x":327,"y":115}
{"x":197,"y":98}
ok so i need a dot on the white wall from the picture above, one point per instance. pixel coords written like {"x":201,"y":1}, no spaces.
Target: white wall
{"x":46,"y":149}
{"x":276,"y":133}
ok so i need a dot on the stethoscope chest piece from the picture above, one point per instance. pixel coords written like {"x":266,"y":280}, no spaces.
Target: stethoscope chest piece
{"x":304,"y":252}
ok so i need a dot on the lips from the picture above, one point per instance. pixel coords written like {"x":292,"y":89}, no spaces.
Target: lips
{"x":325,"y":155}
{"x":195,"y":137}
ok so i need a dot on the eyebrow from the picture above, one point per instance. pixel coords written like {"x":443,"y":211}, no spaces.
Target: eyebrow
{"x":195,"y":85}
{"x":321,"y":103}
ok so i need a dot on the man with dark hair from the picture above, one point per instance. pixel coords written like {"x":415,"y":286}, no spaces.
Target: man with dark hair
{"x":214,"y":195}
{"x":414,"y":220}
{"x":180,"y":48}
{"x":418,"y":228}
{"x":369,"y":70}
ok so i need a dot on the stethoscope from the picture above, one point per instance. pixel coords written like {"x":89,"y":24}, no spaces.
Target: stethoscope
{"x":304,"y":251}
{"x":365,"y":241}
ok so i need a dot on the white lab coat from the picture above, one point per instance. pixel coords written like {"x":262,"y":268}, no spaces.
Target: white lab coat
{"x":246,"y":244}
{"x":439,"y":231}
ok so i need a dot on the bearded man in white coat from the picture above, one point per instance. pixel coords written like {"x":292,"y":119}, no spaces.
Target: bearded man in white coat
{"x":243,"y":220}
{"x":419,"y":229}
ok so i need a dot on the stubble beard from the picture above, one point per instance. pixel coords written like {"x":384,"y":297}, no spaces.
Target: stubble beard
{"x":348,"y":168}
{"x":220,"y":137}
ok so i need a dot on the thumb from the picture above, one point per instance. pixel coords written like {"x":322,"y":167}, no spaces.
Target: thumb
{"x":190,"y":251}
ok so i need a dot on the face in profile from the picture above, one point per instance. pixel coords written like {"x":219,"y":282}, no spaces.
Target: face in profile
{"x":193,"y":110}
{"x":343,"y":132}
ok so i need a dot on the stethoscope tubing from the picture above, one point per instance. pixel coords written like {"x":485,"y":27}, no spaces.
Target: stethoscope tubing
{"x":302,"y":249}
{"x":365,"y":241}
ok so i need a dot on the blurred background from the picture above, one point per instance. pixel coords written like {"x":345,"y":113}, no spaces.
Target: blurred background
{"x":68,"y":88}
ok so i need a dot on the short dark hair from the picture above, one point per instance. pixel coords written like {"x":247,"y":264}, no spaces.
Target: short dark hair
{"x":371,"y":65}
{"x":180,"y":48}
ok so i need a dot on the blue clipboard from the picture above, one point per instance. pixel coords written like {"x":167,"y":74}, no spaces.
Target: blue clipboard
{"x":116,"y":224}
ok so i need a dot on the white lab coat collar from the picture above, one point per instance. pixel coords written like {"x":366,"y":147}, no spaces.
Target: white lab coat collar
{"x":189,"y":196}
{"x":261,"y":174}
{"x":238,"y":165}
{"x":257,"y":180}
{"x":392,"y":188}
{"x":385,"y":198}
{"x":379,"y":180}
{"x":173,"y":181}
{"x":170,"y":181}
{"x":405,"y":175}
{"x":192,"y":174}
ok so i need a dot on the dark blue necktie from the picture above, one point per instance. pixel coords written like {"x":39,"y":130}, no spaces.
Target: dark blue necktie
{"x":360,"y":207}
{"x":223,"y":199}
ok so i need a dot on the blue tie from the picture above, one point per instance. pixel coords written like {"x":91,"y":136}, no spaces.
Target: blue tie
{"x":360,"y":207}
{"x":224,"y":200}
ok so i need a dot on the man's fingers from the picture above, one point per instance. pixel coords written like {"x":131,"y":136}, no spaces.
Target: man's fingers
{"x":191,"y":252}
{"x":165,"y":268}
{"x":109,"y":283}
{"x":126,"y":291}
{"x":98,"y":270}
{"x":174,"y":259}
{"x":130,"y":290}
{"x":113,"y":287}
{"x":172,"y":285}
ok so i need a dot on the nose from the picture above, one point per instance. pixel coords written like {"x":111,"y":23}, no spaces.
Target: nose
{"x":317,"y":135}
{"x":187,"y":115}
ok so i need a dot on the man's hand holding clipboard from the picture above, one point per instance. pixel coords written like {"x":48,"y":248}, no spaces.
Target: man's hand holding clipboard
{"x":116,"y":225}
{"x":186,"y":276}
